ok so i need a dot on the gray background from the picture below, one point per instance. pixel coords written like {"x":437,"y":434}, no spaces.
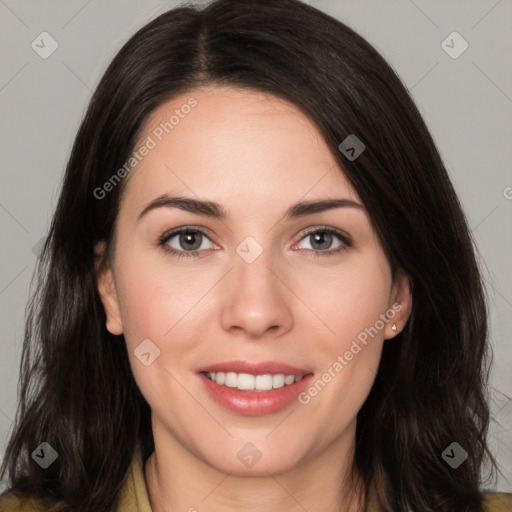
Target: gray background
{"x":466,"y":102}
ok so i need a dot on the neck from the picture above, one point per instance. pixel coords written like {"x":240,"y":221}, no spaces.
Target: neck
{"x":177,"y":480}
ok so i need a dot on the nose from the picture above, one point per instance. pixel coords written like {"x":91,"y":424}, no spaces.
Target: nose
{"x":255,"y":299}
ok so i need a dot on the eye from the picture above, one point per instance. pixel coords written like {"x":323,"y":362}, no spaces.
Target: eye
{"x":188,"y":242}
{"x":321,"y":240}
{"x":184,"y":242}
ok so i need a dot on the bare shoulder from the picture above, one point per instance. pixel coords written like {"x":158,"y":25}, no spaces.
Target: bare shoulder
{"x":498,"y":502}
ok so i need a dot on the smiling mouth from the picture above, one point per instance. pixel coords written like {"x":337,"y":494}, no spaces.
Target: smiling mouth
{"x":249,"y":382}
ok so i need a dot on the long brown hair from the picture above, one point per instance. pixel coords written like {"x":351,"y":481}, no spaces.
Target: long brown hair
{"x":77,"y":391}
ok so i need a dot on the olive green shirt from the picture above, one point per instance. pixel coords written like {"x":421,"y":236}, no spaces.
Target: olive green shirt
{"x":134,"y":497}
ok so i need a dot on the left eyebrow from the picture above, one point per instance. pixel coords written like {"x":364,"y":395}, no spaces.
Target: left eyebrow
{"x":215,"y":210}
{"x":310,"y":207}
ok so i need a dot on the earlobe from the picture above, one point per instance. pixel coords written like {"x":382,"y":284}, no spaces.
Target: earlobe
{"x":400,"y":305}
{"x":107,"y":290}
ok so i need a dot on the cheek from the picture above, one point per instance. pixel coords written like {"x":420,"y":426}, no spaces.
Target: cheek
{"x":155,"y":296}
{"x":348,"y":300}
{"x":157,"y":304}
{"x":350,"y":305}
{"x":166,"y":304}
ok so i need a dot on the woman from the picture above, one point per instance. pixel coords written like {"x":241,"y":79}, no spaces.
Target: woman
{"x":259,"y":290}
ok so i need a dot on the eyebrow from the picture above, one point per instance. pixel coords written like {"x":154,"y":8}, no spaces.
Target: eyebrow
{"x":215,"y":210}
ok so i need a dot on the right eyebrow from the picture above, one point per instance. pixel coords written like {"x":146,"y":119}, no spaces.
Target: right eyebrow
{"x":200,"y":207}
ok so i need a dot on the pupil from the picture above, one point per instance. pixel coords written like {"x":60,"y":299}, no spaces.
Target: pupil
{"x":326,"y":237}
{"x":187,"y":238}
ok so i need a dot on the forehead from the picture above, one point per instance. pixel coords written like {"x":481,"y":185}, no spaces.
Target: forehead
{"x":235,"y":145}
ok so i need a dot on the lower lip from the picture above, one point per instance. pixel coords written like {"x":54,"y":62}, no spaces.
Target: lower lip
{"x":255,"y":403}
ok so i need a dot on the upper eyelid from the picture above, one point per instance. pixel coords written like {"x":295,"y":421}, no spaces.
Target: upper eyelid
{"x":336,"y":231}
{"x":181,"y":229}
{"x":163,"y":239}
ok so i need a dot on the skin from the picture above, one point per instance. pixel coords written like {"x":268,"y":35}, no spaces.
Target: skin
{"x":256,"y":155}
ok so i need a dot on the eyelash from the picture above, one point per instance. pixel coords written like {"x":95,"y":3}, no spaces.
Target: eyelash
{"x":342,"y":237}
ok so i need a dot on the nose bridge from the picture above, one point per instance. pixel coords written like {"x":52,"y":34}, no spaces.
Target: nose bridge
{"x":255,"y":299}
{"x":253,"y":277}
{"x":253,"y":270}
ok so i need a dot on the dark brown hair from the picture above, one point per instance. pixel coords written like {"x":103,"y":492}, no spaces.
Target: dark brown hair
{"x":77,"y":391}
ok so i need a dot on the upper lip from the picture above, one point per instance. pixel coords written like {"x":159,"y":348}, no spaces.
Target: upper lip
{"x":262,"y":368}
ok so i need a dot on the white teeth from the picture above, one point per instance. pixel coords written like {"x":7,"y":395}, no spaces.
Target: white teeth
{"x":231,"y":380}
{"x":289,"y":379}
{"x":246,"y":381}
{"x":263,"y":382}
{"x":278,"y":381}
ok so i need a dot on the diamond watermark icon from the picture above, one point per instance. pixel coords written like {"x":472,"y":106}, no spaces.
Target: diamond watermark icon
{"x":454,"y":45}
{"x":36,"y":248}
{"x":146,"y":352}
{"x":249,"y":249}
{"x":44,"y":455}
{"x":249,"y":454}
{"x":44,"y":45}
{"x":454,"y":455}
{"x":351,"y":147}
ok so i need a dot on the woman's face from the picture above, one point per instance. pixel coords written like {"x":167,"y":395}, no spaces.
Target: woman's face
{"x":271,"y":288}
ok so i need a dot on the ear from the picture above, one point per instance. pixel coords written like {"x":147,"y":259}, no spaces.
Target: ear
{"x":400,"y":305}
{"x":107,"y":289}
